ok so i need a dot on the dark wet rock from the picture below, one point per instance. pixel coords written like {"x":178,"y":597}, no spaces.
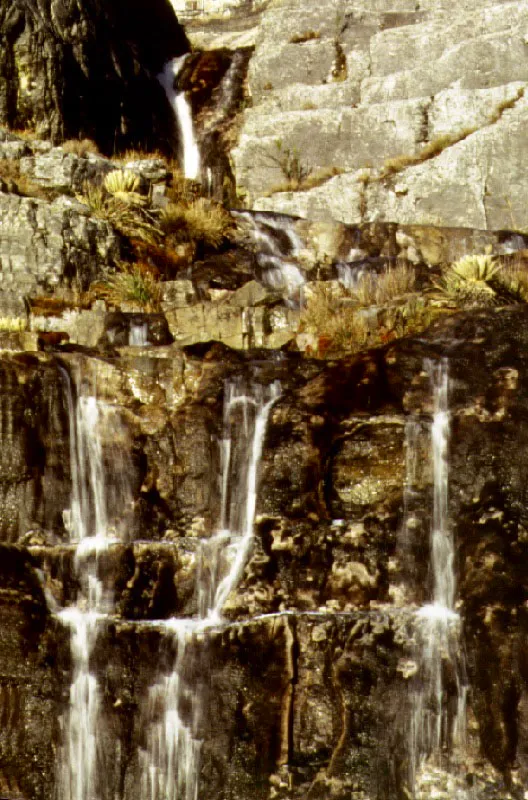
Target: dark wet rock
{"x":135,"y":329}
{"x":315,"y":699}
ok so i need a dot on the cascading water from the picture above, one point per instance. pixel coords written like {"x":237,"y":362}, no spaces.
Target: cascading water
{"x":439,"y":700}
{"x":171,"y":759}
{"x":87,"y":521}
{"x":277,"y":245}
{"x":183,"y":113}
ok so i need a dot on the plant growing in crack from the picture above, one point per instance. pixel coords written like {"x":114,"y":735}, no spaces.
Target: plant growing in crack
{"x":289,"y":160}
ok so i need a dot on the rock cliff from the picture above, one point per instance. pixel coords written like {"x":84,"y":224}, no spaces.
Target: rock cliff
{"x":325,"y":603}
{"x":407,"y":112}
{"x":144,"y":330}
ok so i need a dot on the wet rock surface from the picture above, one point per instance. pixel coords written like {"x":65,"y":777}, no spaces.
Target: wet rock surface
{"x":313,"y":699}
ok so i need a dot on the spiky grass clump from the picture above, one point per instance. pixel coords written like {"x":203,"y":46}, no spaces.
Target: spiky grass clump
{"x":198,"y":221}
{"x":121,"y":181}
{"x":471,"y":281}
{"x":385,"y":288}
{"x":123,"y":212}
{"x":130,"y":283}
{"x":514,"y":277}
{"x":339,"y":327}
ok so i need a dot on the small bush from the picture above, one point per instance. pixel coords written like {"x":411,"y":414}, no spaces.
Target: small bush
{"x":291,"y":165}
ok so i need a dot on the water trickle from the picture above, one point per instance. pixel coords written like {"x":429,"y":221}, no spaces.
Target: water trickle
{"x":138,"y":334}
{"x":439,"y":699}
{"x":87,"y":521}
{"x":278,"y":246}
{"x":183,"y":113}
{"x":170,"y":760}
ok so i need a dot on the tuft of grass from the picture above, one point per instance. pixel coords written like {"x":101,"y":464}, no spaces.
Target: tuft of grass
{"x":130,"y":283}
{"x":432,"y":149}
{"x":306,"y":36}
{"x":123,"y":212}
{"x":199,"y":221}
{"x":339,"y":328}
{"x":317,"y":178}
{"x":383,"y":289}
{"x":81,"y":147}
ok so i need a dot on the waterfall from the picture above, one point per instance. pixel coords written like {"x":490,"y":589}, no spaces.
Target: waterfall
{"x":183,"y":113}
{"x":138,"y":334}
{"x":277,"y":247}
{"x":439,"y":700}
{"x":87,"y":521}
{"x":171,"y":759}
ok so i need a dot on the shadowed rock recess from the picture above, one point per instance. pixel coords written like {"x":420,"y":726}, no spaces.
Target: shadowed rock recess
{"x":88,"y":69}
{"x":263,"y":513}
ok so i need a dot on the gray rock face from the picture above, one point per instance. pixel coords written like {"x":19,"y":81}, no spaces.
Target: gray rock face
{"x":44,"y":244}
{"x":348,"y":87}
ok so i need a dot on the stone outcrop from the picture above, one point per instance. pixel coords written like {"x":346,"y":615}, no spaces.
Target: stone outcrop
{"x":417,"y":108}
{"x":71,"y":70}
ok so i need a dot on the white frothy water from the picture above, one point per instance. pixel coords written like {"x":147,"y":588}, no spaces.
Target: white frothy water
{"x":88,"y":525}
{"x":183,"y":113}
{"x":278,"y":246}
{"x":439,"y":703}
{"x":138,"y":334}
{"x":171,"y":759}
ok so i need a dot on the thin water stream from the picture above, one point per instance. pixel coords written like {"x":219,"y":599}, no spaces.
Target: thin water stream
{"x":87,"y":521}
{"x":438,"y":720}
{"x":191,"y":160}
{"x":170,"y":760}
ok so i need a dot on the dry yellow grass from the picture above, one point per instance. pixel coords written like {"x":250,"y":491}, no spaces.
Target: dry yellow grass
{"x":339,"y":328}
{"x":198,"y":221}
{"x":385,"y":288}
{"x":306,"y":36}
{"x":130,"y":283}
{"x":81,"y":147}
